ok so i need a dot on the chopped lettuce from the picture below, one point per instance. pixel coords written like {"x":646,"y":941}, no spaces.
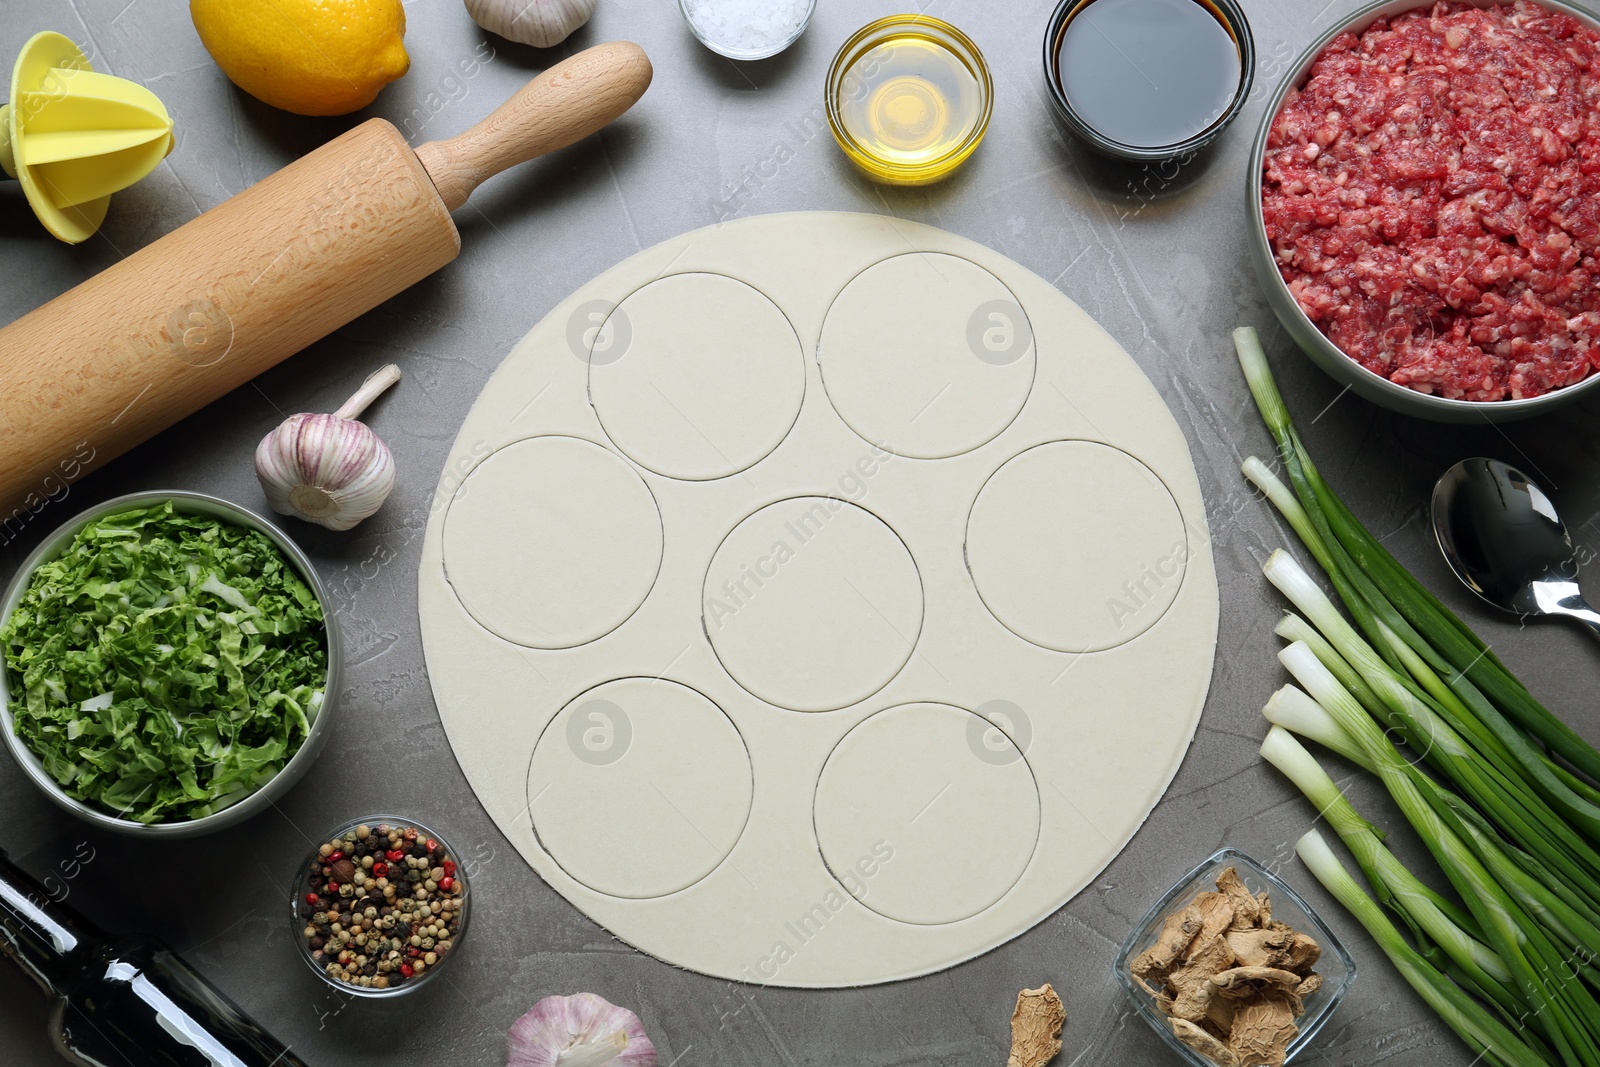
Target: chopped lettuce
{"x":165,"y":665}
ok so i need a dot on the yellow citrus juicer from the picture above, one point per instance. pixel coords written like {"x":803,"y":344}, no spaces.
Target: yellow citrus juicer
{"x":73,"y":136}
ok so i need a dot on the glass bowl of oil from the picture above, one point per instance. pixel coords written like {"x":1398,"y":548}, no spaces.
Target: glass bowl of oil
{"x":909,"y":99}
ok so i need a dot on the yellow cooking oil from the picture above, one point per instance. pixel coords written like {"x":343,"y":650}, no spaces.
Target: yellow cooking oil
{"x":909,"y":99}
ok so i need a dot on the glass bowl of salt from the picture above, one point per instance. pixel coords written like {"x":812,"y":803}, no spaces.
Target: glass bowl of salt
{"x":747,"y":29}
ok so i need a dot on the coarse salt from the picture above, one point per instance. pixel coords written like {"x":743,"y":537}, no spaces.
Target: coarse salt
{"x":748,"y":26}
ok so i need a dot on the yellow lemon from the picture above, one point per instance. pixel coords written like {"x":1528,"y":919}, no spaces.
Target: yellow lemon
{"x":312,"y":57}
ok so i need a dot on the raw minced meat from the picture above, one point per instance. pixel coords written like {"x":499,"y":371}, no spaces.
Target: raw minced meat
{"x":1432,"y":195}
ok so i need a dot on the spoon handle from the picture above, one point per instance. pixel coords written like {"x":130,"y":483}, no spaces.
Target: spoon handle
{"x":1576,"y":608}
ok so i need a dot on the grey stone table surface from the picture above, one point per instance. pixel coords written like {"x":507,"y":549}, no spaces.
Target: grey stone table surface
{"x":1159,"y":259}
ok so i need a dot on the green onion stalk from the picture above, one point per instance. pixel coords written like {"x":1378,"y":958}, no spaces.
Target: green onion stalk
{"x":1492,"y":1040}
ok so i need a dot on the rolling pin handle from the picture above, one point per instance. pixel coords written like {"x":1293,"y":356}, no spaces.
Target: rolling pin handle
{"x":566,"y":103}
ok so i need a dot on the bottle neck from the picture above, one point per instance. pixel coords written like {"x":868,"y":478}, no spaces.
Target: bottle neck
{"x":42,"y":936}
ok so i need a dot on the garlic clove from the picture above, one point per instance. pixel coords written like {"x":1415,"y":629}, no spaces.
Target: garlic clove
{"x":541,"y":23}
{"x":329,"y":469}
{"x":583,"y":1030}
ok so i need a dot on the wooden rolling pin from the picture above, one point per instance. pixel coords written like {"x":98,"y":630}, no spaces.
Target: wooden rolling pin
{"x":260,"y":276}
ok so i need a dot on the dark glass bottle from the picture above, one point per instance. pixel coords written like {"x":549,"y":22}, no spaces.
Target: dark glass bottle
{"x":123,"y":1002}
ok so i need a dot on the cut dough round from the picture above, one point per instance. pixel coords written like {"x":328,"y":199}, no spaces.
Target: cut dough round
{"x":540,"y":565}
{"x":639,"y":788}
{"x":693,"y":395}
{"x":813,"y":603}
{"x":922,"y":823}
{"x":1076,"y":546}
{"x":927,"y":355}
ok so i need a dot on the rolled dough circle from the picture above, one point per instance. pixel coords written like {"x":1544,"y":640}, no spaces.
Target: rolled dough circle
{"x":692,"y":395}
{"x":927,"y":355}
{"x":812,"y":603}
{"x":541,"y":566}
{"x":921,"y":824}
{"x":1076,"y":546}
{"x":701,"y":819}
{"x":614,"y":800}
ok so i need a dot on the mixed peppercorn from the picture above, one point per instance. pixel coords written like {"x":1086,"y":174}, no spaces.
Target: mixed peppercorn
{"x":382,"y":906}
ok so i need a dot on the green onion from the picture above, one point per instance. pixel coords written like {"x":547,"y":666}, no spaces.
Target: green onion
{"x":1292,"y":709}
{"x":1511,"y":814}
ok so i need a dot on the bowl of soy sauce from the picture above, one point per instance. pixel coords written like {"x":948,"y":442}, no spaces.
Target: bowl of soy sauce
{"x":1148,"y":80}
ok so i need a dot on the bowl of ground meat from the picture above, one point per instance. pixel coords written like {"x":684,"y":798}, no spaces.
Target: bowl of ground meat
{"x":1425,"y":206}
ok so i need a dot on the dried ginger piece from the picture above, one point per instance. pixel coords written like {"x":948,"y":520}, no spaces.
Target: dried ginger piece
{"x":1219,"y":1016}
{"x":1191,"y":983}
{"x":1261,"y":948}
{"x":1245,"y":906}
{"x":1241,"y":981}
{"x":1204,"y":1043}
{"x":1303,"y":954}
{"x":1177,"y":934}
{"x":1251,"y":983}
{"x":1262,"y":1030}
{"x":1193,"y":1002}
{"x":1036,"y":1027}
{"x":1216,"y":913}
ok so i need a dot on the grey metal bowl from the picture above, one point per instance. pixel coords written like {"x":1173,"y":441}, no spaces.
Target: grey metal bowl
{"x":1323,"y":352}
{"x":190,"y":504}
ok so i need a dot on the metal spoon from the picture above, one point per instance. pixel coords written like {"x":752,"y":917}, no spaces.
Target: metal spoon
{"x":1501,"y":535}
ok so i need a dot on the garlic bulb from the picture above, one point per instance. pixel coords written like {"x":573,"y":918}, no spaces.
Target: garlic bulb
{"x":540,"y":23}
{"x":583,"y":1030}
{"x":329,"y":469}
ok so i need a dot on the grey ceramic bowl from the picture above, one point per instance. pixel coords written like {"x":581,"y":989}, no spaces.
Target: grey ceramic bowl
{"x":1323,"y":352}
{"x":193,"y":504}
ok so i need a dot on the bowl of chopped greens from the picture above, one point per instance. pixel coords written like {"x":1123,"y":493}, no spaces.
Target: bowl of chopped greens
{"x":169,"y":665}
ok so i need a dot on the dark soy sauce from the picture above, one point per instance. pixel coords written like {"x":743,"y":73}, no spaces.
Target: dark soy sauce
{"x":1147,"y":73}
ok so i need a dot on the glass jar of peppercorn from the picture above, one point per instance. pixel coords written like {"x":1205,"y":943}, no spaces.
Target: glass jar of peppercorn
{"x":380,"y":906}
